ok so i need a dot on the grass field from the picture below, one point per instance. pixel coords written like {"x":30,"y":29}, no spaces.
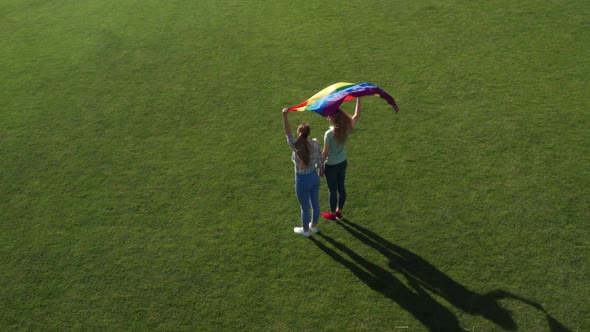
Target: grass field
{"x":146,"y":184}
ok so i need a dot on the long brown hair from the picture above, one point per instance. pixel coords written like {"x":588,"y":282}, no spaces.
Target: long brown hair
{"x":342,"y":126}
{"x":302,"y":146}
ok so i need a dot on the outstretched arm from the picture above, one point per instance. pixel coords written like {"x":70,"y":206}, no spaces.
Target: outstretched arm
{"x":286,"y":124}
{"x":357,"y":111}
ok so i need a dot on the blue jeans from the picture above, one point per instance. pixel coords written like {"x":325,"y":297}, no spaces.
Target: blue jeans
{"x":335,"y":176}
{"x":307,"y":188}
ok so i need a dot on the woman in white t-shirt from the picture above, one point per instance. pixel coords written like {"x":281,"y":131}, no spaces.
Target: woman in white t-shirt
{"x":334,"y":157}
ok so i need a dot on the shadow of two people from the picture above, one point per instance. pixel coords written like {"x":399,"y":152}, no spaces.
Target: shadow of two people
{"x":423,"y":279}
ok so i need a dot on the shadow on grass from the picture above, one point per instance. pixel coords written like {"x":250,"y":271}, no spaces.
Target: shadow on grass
{"x":423,"y":279}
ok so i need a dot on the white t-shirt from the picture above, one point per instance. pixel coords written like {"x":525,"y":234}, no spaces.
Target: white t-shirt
{"x":336,"y":151}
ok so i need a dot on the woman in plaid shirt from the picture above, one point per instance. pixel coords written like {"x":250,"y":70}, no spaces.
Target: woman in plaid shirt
{"x":307,"y":157}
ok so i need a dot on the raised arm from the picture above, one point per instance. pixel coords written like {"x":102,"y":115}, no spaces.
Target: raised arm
{"x":357,"y":111}
{"x":286,"y":124}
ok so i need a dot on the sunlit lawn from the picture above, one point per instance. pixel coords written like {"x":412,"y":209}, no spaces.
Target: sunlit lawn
{"x":146,"y":184}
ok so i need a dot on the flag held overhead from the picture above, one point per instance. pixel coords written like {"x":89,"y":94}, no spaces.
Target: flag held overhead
{"x":328,"y":101}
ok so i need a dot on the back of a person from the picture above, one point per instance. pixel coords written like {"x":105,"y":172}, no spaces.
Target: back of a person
{"x":336,"y":150}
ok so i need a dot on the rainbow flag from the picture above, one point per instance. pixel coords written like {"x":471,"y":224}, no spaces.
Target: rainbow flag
{"x":327,"y":101}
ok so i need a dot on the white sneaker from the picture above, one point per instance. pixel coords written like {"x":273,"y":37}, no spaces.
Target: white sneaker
{"x":299,"y":230}
{"x":313,"y":229}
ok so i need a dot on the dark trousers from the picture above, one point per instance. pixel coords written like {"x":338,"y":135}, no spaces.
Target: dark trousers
{"x":335,"y":176}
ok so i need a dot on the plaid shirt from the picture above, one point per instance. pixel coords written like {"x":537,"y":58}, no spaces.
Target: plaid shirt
{"x":315,"y":158}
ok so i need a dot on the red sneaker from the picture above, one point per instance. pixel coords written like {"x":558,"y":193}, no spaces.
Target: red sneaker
{"x":328,"y":216}
{"x":339,"y":215}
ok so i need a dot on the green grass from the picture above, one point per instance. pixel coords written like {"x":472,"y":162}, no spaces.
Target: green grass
{"x":145,"y":181}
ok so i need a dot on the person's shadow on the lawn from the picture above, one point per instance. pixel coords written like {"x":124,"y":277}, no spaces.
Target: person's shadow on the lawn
{"x":423,"y":279}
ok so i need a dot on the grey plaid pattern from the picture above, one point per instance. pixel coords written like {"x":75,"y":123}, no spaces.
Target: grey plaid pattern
{"x":315,"y":160}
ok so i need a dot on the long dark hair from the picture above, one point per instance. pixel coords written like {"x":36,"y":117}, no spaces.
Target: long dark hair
{"x":342,"y":126}
{"x":302,"y":146}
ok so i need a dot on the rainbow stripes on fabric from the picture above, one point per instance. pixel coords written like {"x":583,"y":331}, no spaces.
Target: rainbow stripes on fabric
{"x":327,"y":101}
